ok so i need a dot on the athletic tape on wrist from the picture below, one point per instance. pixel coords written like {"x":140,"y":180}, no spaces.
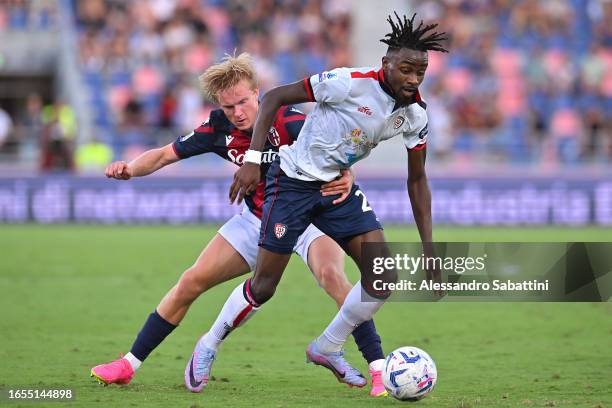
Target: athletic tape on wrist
{"x":252,"y":156}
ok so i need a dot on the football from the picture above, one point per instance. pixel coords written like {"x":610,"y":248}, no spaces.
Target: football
{"x":409,"y":374}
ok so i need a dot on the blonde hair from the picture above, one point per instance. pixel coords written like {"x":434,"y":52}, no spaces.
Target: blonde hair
{"x":226,"y":74}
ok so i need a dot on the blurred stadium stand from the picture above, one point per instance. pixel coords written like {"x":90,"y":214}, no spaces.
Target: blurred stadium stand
{"x":526,"y":90}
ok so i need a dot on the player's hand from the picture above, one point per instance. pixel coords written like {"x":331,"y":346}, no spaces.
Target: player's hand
{"x":432,"y":274}
{"x":245,"y":182}
{"x":340,"y":186}
{"x":119,"y":170}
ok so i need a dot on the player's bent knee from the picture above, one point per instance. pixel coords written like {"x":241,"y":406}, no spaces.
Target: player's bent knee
{"x":191,"y":285}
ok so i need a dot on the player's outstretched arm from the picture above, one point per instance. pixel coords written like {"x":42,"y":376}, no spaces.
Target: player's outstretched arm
{"x":247,"y":177}
{"x":145,"y":164}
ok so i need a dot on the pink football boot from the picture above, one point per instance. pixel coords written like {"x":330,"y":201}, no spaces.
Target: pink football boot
{"x":116,"y":372}
{"x":378,"y":389}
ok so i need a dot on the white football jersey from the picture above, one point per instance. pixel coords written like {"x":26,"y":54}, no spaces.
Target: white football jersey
{"x":354,"y":112}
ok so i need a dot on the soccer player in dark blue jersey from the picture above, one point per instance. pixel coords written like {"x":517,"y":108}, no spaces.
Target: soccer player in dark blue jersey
{"x":233,"y":250}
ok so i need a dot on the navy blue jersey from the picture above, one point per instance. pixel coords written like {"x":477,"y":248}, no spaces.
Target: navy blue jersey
{"x":218,"y":135}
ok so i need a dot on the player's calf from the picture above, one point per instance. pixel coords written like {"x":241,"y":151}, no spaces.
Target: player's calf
{"x":270,"y":268}
{"x":334,"y":282}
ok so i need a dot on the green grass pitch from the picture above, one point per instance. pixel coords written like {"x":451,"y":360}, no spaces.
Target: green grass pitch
{"x":75,"y":296}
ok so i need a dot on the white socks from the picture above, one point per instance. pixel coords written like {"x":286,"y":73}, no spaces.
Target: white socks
{"x":236,"y":311}
{"x":134,"y":362}
{"x":352,"y":313}
{"x":376,"y":365}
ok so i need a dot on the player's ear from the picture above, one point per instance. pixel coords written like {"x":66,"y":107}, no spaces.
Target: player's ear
{"x":256,"y":90}
{"x":385,"y":62}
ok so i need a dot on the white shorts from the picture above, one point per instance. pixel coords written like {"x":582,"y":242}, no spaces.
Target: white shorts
{"x":242,"y":232}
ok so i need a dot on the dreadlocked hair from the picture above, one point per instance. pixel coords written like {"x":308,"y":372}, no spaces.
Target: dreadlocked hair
{"x":404,"y":35}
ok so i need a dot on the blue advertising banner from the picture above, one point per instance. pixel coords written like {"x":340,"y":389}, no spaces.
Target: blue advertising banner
{"x":59,"y":199}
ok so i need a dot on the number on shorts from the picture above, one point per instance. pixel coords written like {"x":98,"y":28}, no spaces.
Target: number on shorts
{"x":364,"y":203}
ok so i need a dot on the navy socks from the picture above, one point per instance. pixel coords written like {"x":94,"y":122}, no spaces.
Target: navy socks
{"x":368,"y":341}
{"x":154,"y":331}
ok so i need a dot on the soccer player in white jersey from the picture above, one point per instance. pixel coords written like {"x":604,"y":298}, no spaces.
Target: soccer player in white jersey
{"x":232,"y":252}
{"x":356,"y":108}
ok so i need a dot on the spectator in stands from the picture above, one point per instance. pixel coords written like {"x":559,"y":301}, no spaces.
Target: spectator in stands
{"x":30,"y":126}
{"x":132,"y":137}
{"x":167,"y":109}
{"x":93,"y":156}
{"x":519,"y":76}
{"x":27,"y":14}
{"x":57,"y":137}
{"x":6,"y":129}
{"x":166,"y":42}
{"x":505,"y":86}
{"x":31,"y":119}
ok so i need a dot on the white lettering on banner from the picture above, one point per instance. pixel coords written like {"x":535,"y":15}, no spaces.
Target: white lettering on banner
{"x":176,"y":206}
{"x":603,"y":204}
{"x":14,"y":203}
{"x":170,"y":200}
{"x":112,"y":206}
{"x":516,"y":206}
{"x":474,"y":205}
{"x":51,"y":204}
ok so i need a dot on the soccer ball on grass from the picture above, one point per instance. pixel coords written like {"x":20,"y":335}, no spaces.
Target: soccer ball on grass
{"x":409,"y":374}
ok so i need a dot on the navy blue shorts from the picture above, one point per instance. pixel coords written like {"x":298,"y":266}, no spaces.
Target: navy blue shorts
{"x":291,"y":205}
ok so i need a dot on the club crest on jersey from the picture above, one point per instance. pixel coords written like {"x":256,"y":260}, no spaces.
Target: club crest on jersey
{"x":399,"y":121}
{"x":274,"y":137}
{"x":228,"y":139}
{"x":280,"y":230}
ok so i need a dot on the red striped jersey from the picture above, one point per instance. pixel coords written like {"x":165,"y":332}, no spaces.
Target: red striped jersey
{"x":218,"y":135}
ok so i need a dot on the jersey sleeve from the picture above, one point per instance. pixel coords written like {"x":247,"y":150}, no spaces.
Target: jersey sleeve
{"x":329,"y":86}
{"x":417,"y":140}
{"x":199,"y":141}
